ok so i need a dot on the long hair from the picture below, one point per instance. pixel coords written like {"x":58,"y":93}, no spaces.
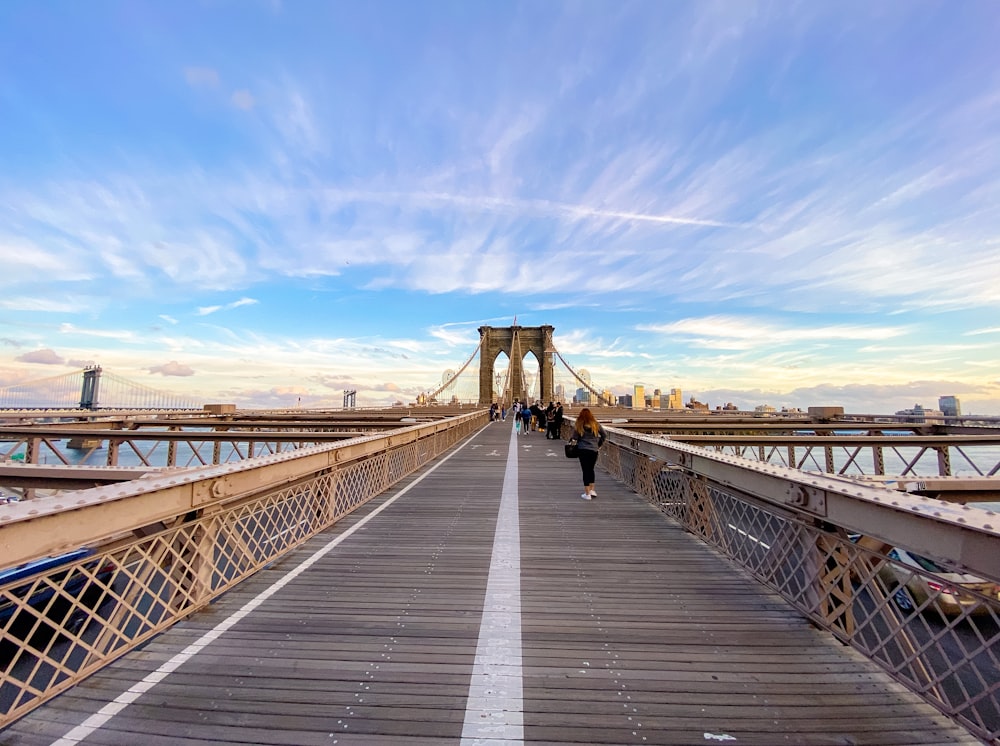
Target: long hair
{"x":586,"y":421}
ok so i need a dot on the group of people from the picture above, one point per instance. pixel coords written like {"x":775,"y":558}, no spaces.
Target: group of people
{"x":532,"y":417}
{"x":588,"y":435}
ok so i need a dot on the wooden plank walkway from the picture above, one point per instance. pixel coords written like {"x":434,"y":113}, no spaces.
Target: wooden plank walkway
{"x":484,"y":602}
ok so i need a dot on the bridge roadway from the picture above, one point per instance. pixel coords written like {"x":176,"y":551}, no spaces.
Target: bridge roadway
{"x":482,"y":601}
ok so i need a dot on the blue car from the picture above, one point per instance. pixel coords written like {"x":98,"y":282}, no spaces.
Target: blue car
{"x":78,"y":593}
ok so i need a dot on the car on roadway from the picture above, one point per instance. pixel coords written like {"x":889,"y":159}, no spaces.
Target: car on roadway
{"x":63,"y":601}
{"x":948,"y":592}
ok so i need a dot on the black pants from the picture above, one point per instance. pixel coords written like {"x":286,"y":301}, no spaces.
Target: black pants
{"x":587,"y":461}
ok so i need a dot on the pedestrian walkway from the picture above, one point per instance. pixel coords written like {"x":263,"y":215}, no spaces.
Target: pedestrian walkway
{"x":483,"y":602}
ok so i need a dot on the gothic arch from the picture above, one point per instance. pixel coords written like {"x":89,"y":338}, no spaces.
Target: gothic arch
{"x":516,"y":342}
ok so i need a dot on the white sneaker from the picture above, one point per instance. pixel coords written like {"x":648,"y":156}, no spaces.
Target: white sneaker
{"x":593,"y":493}
{"x":585,"y":496}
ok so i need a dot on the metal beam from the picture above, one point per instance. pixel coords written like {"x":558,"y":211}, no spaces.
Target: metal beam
{"x":53,"y":525}
{"x":962,"y":535}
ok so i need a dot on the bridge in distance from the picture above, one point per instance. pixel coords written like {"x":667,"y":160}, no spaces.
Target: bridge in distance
{"x":425,"y":576}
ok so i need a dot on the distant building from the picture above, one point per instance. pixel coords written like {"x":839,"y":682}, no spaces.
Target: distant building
{"x":675,"y":400}
{"x":950,"y":406}
{"x":920,"y":415}
{"x":625,"y":401}
{"x":639,"y":396}
{"x":695,"y":404}
{"x":826,"y":413}
{"x":763,"y":409}
{"x":582,"y":396}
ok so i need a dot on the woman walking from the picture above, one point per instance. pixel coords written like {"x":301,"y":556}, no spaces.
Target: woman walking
{"x":589,"y":437}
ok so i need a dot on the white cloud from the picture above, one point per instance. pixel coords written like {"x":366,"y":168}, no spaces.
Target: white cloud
{"x":243,"y":100}
{"x":43,"y":357}
{"x":173,"y":368}
{"x":121,"y":335}
{"x":199,"y":77}
{"x":743,"y":333}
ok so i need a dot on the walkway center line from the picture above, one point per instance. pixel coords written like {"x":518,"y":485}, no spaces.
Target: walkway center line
{"x":494,"y":713}
{"x":102,"y":716}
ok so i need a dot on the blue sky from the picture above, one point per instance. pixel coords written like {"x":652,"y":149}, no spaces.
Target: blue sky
{"x":791,"y":203}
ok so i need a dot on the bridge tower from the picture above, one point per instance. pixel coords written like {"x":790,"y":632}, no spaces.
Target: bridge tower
{"x":516,"y":341}
{"x":91,"y":387}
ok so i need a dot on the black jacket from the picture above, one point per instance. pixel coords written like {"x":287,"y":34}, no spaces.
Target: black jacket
{"x":588,"y":441}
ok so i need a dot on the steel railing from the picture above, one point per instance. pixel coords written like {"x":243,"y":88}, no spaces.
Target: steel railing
{"x":92,"y":577}
{"x":853,"y":558}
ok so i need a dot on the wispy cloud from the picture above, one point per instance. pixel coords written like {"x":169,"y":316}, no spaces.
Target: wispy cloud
{"x":43,"y":357}
{"x":207,"y":310}
{"x":173,"y":368}
{"x":198,"y":77}
{"x":243,"y":100}
{"x":742,"y":333}
{"x":122,"y":335}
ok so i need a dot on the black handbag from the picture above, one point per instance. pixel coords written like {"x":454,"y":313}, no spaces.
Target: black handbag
{"x":570,"y":449}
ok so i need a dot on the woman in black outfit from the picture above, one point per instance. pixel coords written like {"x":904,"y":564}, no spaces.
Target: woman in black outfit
{"x":589,"y":437}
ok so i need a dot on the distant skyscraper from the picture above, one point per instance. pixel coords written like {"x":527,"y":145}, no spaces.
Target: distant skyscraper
{"x":639,"y":397}
{"x":675,"y":400}
{"x":584,"y":375}
{"x":950,"y":405}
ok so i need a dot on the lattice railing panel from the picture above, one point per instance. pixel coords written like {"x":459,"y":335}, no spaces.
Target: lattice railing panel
{"x":60,"y":625}
{"x":940,"y":639}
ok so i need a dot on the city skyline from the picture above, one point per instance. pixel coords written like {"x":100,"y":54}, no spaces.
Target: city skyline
{"x":270,"y":203}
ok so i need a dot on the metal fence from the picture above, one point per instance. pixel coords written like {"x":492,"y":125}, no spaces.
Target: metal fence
{"x":911,"y":583}
{"x":95,"y":578}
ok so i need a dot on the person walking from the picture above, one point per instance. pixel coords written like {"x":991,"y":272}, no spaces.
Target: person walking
{"x":589,"y":436}
{"x":526,"y":417}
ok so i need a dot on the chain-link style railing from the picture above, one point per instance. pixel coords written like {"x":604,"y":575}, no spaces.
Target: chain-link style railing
{"x":160,"y":551}
{"x":853,"y":558}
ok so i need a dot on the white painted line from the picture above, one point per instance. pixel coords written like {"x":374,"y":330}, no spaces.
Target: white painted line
{"x":494,"y":713}
{"x":752,"y":538}
{"x":102,"y":716}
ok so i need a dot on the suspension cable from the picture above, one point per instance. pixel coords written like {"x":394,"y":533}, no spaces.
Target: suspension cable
{"x":591,"y":389}
{"x":451,"y":380}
